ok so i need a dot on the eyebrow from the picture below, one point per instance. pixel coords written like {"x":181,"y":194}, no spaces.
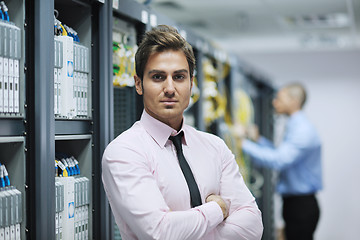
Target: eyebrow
{"x":160,"y":71}
{"x":181,"y":71}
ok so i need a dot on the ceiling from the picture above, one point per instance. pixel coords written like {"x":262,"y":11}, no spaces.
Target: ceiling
{"x":260,"y":30}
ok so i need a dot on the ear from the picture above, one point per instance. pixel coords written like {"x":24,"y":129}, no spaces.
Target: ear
{"x":138,"y":85}
{"x":191,"y":82}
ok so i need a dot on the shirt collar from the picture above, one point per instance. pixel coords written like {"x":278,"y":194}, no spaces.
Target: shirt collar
{"x":158,"y":130}
{"x":296,"y":115}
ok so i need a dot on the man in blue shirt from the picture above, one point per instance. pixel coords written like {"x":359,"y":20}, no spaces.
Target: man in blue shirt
{"x":298,"y":160}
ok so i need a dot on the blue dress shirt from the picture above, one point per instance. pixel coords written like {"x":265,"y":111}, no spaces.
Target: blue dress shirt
{"x":297,"y":158}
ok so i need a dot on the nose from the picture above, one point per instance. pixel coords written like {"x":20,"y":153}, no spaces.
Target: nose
{"x":169,"y":87}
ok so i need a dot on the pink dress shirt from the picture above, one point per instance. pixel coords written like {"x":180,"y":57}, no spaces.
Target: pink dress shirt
{"x":149,"y":196}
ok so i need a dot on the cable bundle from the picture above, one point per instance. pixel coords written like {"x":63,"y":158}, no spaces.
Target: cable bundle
{"x":4,"y":176}
{"x":61,"y":29}
{"x":4,"y":12}
{"x":66,"y":165}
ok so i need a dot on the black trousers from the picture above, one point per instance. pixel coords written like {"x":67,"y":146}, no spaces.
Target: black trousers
{"x":301,"y":215}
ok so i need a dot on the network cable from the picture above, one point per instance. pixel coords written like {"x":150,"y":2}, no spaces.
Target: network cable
{"x":63,"y":169}
{"x":71,"y":33}
{"x":2,"y":180}
{"x":4,"y":11}
{"x":1,"y":14}
{"x":6,"y":176}
{"x":76,"y":165}
{"x":68,"y":162}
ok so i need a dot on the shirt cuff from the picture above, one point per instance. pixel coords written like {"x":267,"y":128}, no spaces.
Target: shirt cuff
{"x":246,"y":144}
{"x":263,"y":141}
{"x":213,"y":213}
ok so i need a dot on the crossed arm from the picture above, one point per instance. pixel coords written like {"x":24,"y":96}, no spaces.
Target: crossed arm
{"x":137,"y":202}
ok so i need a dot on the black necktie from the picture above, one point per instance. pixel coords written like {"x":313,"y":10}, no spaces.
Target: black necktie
{"x":189,"y":177}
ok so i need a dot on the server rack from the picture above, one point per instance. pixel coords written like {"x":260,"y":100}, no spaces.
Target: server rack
{"x":127,"y":105}
{"x":265,"y":121}
{"x":30,"y":138}
{"x":197,"y":109}
{"x":12,"y":156}
{"x":124,"y":46}
{"x":48,"y":134}
{"x":13,"y":117}
{"x":250,"y":96}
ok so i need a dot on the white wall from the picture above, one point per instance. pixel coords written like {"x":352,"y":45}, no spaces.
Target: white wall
{"x":333,"y":107}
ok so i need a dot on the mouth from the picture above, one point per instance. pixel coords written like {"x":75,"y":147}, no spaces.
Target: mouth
{"x":169,"y":102}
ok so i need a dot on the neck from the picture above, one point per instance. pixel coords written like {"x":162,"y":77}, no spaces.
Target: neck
{"x":178,"y":126}
{"x":293,"y":111}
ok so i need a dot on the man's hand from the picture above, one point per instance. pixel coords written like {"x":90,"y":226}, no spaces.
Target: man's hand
{"x":220,"y":202}
{"x":253,"y":132}
{"x":239,"y":130}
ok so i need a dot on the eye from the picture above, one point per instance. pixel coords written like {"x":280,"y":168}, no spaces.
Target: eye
{"x":157,"y":77}
{"x":179,"y":77}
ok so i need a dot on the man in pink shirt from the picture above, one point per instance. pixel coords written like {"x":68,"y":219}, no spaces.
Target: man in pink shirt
{"x":148,"y":193}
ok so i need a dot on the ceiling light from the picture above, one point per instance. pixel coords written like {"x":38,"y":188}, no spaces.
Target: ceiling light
{"x":323,"y":41}
{"x":333,"y":20}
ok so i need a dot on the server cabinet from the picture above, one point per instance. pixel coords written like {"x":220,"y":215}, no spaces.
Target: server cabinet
{"x":129,"y":21}
{"x":73,"y":116}
{"x":12,"y":157}
{"x":250,"y":103}
{"x":51,"y":134}
{"x":262,"y":179}
{"x":12,"y":120}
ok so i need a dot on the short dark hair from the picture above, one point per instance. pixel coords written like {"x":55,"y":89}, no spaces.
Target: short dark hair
{"x":160,"y":39}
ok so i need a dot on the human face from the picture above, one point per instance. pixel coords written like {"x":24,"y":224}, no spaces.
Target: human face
{"x":166,"y":87}
{"x":282,"y":102}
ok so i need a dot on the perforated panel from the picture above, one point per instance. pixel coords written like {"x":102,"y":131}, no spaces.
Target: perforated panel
{"x":124,"y":109}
